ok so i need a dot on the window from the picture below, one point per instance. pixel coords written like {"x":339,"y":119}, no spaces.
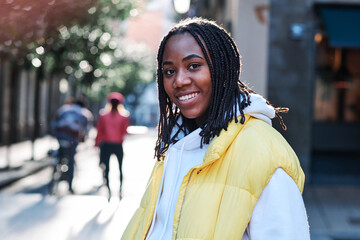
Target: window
{"x":337,"y":75}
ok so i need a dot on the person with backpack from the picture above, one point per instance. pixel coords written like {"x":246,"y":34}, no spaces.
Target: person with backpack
{"x":71,"y":126}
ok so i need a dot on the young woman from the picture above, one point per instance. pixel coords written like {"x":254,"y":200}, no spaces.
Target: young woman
{"x":111,"y":130}
{"x":222,"y":172}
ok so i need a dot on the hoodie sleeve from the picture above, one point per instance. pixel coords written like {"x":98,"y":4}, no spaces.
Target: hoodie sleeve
{"x":280,"y":212}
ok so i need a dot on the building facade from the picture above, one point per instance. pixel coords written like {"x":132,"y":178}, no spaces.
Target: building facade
{"x":304,"y":55}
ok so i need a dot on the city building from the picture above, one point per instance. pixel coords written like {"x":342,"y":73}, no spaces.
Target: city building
{"x":148,"y":28}
{"x":303,"y":55}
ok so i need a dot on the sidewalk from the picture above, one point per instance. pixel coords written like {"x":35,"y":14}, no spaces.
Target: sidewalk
{"x":333,"y":210}
{"x":16,"y":162}
{"x":19,"y":155}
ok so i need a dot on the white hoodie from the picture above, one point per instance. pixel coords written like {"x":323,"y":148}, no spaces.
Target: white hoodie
{"x":186,"y":154}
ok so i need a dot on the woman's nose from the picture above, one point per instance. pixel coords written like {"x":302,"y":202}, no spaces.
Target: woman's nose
{"x":181,"y":79}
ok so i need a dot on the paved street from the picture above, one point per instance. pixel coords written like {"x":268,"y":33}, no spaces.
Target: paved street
{"x":26,"y":212}
{"x":333,"y":211}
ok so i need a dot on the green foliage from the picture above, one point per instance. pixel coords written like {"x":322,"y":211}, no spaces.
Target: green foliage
{"x":93,"y":57}
{"x":132,"y":67}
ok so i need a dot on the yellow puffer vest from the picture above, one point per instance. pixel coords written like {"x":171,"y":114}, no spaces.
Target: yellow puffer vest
{"x":216,"y":198}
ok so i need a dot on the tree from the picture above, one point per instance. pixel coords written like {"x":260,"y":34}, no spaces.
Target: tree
{"x":77,"y":42}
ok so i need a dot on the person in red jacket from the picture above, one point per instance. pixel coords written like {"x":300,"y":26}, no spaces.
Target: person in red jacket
{"x":111,"y":130}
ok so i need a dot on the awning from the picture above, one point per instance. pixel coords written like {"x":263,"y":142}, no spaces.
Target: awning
{"x":342,"y":24}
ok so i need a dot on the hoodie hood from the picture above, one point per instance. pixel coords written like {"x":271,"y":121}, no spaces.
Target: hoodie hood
{"x":258,"y":108}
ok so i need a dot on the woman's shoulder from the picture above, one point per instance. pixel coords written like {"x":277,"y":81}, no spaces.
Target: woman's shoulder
{"x":124,"y":113}
{"x":262,"y":135}
{"x":258,"y":150}
{"x":262,"y":144}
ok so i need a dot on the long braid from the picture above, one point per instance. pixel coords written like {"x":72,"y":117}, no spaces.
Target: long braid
{"x":228,"y":91}
{"x":225,"y":89}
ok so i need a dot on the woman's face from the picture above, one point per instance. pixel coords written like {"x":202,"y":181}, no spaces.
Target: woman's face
{"x":187,"y":78}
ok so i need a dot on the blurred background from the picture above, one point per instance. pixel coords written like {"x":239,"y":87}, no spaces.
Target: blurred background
{"x":304,"y":55}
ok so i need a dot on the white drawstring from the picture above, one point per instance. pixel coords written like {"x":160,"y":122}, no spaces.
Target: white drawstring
{"x":173,"y":190}
{"x":172,"y":193}
{"x":157,"y":201}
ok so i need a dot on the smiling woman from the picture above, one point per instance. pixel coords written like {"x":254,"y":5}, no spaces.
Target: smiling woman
{"x":187,"y":79}
{"x":222,"y":172}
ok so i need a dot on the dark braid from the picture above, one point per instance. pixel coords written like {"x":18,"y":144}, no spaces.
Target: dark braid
{"x":228,"y":91}
{"x":114,"y":105}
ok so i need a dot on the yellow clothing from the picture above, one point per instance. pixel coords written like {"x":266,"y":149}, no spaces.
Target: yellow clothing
{"x":217,"y":197}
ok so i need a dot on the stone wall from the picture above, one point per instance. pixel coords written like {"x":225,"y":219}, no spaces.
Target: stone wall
{"x":290,"y":70}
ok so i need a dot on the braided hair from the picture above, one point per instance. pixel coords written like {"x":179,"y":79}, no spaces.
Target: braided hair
{"x":114,"y":105}
{"x":223,"y":58}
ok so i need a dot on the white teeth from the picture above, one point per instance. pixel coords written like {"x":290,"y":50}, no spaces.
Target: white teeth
{"x":187,"y":97}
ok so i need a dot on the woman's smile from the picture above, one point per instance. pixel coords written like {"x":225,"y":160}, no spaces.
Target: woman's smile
{"x":187,"y":79}
{"x":188,"y":97}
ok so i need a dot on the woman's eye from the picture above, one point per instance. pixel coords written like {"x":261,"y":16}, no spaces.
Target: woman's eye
{"x":168,"y":71}
{"x":194,"y":66}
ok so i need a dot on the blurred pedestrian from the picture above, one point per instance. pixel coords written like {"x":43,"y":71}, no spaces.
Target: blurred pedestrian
{"x":71,"y":126}
{"x":111,"y":130}
{"x":222,"y":172}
